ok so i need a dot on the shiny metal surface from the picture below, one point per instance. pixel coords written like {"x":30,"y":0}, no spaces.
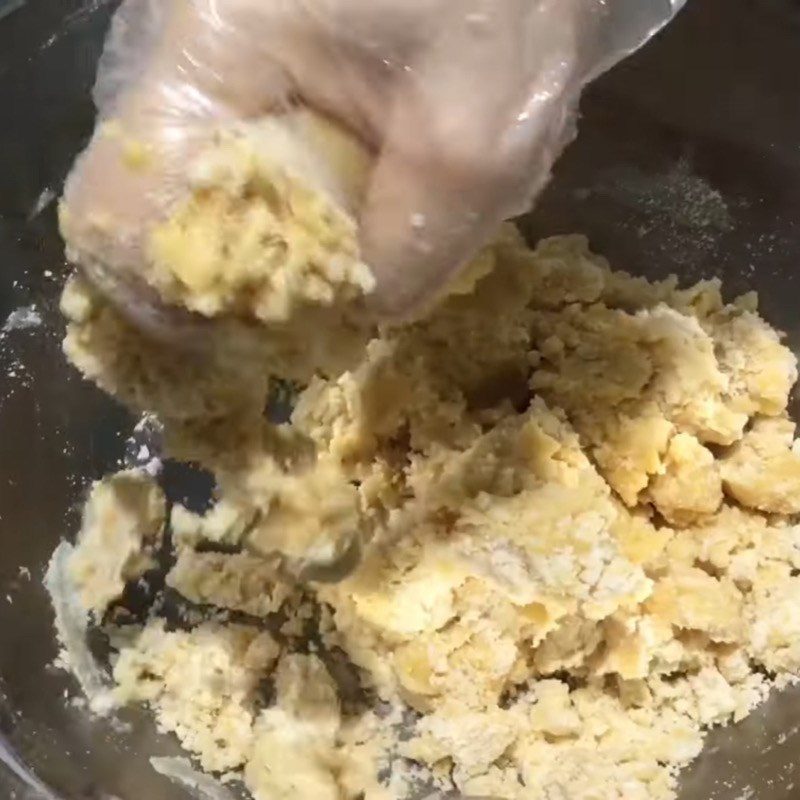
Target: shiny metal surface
{"x":688,"y":160}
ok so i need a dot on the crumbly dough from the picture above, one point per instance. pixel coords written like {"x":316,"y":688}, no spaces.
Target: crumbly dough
{"x":236,"y":581}
{"x":252,"y":239}
{"x":202,"y":684}
{"x":294,"y":753}
{"x":123,"y":522}
{"x":576,"y":493}
{"x":239,"y":260}
{"x":763,"y":471}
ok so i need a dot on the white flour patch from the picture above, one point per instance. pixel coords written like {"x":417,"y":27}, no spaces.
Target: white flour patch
{"x":22,"y":319}
{"x":43,"y":201}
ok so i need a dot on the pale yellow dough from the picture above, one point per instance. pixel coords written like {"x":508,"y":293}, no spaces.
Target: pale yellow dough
{"x":575,"y":491}
{"x":123,"y":522}
{"x":254,"y":240}
{"x":237,"y":262}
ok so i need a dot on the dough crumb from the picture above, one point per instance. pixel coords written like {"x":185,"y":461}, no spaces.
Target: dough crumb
{"x":203,"y":685}
{"x":123,"y":523}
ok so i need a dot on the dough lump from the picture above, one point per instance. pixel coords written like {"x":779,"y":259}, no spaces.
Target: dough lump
{"x":575,"y":491}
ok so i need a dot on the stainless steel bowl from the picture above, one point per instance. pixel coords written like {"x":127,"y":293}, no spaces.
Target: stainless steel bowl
{"x":688,"y":161}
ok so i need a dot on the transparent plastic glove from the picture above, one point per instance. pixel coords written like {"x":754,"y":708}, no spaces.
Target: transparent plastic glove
{"x":463,"y":104}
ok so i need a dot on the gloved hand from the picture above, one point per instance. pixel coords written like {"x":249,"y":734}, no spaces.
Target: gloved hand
{"x":465,"y":104}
